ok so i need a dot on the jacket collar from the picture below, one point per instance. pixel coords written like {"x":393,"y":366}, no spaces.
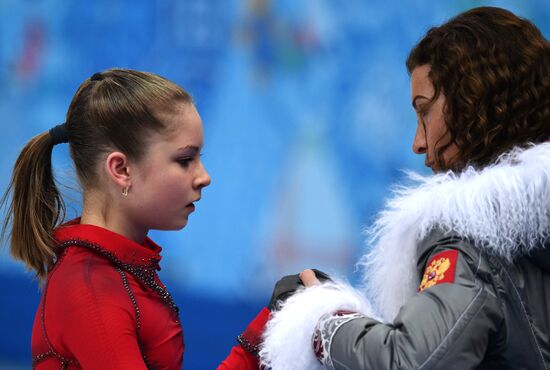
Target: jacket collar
{"x":504,"y":208}
{"x":109,"y":243}
{"x":541,"y":258}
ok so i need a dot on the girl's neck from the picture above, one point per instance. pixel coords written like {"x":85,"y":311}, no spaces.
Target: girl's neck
{"x":98,"y":211}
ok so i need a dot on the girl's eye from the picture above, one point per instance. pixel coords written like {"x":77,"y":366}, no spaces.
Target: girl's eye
{"x":184,"y":162}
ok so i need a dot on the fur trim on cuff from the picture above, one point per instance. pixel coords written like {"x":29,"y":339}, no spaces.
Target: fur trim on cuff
{"x":288,"y":337}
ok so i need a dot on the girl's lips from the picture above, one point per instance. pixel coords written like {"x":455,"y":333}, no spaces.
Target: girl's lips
{"x":191,"y":206}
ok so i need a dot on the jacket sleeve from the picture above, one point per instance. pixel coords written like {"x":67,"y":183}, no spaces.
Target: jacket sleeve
{"x":448,"y":325}
{"x":241,"y":358}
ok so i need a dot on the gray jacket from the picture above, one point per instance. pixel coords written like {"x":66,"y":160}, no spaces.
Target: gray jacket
{"x":495,"y":315}
{"x":491,"y":310}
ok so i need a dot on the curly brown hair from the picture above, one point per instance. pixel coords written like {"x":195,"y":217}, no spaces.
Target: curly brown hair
{"x":494,"y":71}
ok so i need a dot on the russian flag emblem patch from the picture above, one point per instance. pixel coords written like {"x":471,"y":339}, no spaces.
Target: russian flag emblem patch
{"x":440,"y":269}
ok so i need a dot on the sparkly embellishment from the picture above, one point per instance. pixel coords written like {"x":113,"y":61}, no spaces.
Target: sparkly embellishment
{"x":42,"y":357}
{"x":249,"y":347}
{"x":132,"y":298}
{"x":146,"y":273}
{"x":146,"y":360}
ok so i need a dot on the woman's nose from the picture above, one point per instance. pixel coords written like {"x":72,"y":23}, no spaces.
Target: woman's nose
{"x":419,"y":143}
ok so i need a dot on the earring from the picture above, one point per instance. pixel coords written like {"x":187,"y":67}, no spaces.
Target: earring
{"x":125,"y":191}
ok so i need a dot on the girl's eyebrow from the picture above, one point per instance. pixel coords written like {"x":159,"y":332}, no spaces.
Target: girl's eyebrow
{"x":189,"y":148}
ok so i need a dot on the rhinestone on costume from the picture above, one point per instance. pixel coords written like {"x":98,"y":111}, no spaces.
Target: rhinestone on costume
{"x":145,"y":273}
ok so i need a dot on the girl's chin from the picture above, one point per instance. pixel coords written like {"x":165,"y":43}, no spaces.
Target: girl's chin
{"x":180,"y":225}
{"x":174,"y":226}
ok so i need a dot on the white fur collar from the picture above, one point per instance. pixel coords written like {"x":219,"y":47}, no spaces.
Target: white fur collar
{"x":499,"y":206}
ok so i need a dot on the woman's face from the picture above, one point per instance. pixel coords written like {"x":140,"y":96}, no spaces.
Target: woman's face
{"x":431,"y":132}
{"x":169,"y":179}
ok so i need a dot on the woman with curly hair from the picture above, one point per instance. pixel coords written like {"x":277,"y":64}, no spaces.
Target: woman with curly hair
{"x":458,"y":274}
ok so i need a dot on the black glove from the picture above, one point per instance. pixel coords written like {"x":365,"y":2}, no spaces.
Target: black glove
{"x":287,"y":285}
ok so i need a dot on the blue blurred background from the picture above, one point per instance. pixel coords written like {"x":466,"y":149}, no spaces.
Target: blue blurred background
{"x":307,"y":123}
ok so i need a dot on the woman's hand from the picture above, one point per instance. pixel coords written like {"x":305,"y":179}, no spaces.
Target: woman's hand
{"x":309,"y":278}
{"x":287,"y":285}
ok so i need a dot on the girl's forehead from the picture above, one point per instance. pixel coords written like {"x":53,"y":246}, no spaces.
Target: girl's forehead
{"x":183,"y":130}
{"x":182,"y":118}
{"x":178,"y":114}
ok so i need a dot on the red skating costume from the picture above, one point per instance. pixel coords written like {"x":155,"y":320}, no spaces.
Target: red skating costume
{"x":104,"y":305}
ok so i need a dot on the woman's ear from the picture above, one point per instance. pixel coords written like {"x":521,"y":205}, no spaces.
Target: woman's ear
{"x":117,"y":169}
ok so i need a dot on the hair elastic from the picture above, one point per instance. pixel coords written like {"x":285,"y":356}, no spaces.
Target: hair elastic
{"x":96,"y":77}
{"x":59,"y":134}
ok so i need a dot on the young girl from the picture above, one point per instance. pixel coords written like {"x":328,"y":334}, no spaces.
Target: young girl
{"x":459,"y":272}
{"x":135,"y":139}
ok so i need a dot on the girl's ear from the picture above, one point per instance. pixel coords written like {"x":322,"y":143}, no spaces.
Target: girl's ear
{"x":117,"y":169}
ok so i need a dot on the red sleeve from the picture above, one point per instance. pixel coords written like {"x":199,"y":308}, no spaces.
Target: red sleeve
{"x":92,"y":319}
{"x":239,"y":358}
